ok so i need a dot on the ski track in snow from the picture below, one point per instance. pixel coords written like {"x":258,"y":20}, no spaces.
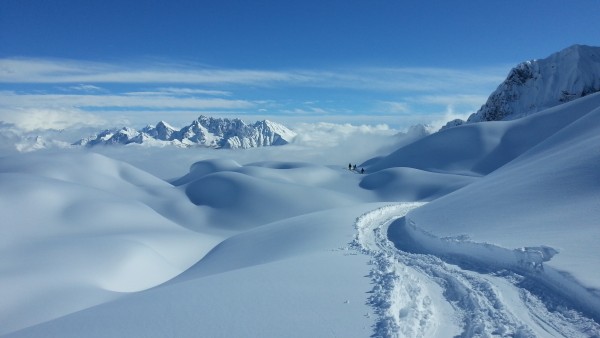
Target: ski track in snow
{"x":404,"y":308}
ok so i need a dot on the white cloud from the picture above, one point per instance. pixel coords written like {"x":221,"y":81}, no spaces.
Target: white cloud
{"x":378,"y":79}
{"x":393,"y":107}
{"x":175,"y":91}
{"x":456,"y":99}
{"x":406,"y":79}
{"x":449,"y":115}
{"x":191,"y":91}
{"x":307,"y":111}
{"x":86,"y":88}
{"x":70,"y":71}
{"x":30,"y":119}
{"x":11,"y":99}
{"x":172,"y":88}
{"x":325,"y":134}
{"x":59,"y":111}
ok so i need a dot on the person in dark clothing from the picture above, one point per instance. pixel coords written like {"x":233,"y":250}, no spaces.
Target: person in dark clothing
{"x":362,"y":170}
{"x":349,"y":166}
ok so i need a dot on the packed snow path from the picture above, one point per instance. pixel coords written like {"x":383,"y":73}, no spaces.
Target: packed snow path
{"x":482,"y":303}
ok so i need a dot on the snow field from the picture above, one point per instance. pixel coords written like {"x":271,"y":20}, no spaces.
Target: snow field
{"x":505,"y":246}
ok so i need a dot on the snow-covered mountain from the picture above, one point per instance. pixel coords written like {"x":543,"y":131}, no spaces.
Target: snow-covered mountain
{"x":536,"y":85}
{"x":204,"y":131}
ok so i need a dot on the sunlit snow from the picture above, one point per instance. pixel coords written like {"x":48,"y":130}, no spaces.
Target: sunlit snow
{"x":484,"y":229}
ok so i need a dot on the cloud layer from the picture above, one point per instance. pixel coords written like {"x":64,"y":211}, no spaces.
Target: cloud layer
{"x":87,"y":92}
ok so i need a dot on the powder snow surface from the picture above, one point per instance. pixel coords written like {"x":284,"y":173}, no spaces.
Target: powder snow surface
{"x":487,"y":229}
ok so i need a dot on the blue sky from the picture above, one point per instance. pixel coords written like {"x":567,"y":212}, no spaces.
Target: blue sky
{"x":75,"y":63}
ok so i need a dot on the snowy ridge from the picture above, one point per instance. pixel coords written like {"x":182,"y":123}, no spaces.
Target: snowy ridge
{"x":204,"y":131}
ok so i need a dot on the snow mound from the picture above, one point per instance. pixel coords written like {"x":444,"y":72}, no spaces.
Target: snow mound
{"x":205,"y":167}
{"x":94,"y":234}
{"x":292,"y":172}
{"x":238,"y":201}
{"x":409,"y":184}
{"x":87,"y":169}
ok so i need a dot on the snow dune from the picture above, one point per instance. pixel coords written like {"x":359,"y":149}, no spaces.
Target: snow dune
{"x":238,"y":199}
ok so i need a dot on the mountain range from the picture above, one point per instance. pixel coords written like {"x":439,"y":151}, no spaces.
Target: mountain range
{"x":204,"y":131}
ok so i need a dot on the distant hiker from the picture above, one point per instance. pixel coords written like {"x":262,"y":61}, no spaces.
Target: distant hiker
{"x":349,"y":166}
{"x":362,"y":170}
{"x":354,"y":168}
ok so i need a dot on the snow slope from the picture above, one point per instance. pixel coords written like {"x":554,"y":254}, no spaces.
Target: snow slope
{"x":290,"y":278}
{"x":548,"y":196}
{"x":556,"y":180}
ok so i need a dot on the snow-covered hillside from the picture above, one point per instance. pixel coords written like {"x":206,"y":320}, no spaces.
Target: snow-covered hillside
{"x":204,"y":131}
{"x":536,"y":85}
{"x":534,"y":210}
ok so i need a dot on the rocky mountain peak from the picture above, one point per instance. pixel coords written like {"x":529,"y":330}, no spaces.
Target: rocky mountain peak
{"x":536,"y":85}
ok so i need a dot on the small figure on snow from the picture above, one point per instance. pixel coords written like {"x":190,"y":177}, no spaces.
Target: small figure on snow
{"x":362,"y":170}
{"x":349,"y":166}
{"x":354,"y":167}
